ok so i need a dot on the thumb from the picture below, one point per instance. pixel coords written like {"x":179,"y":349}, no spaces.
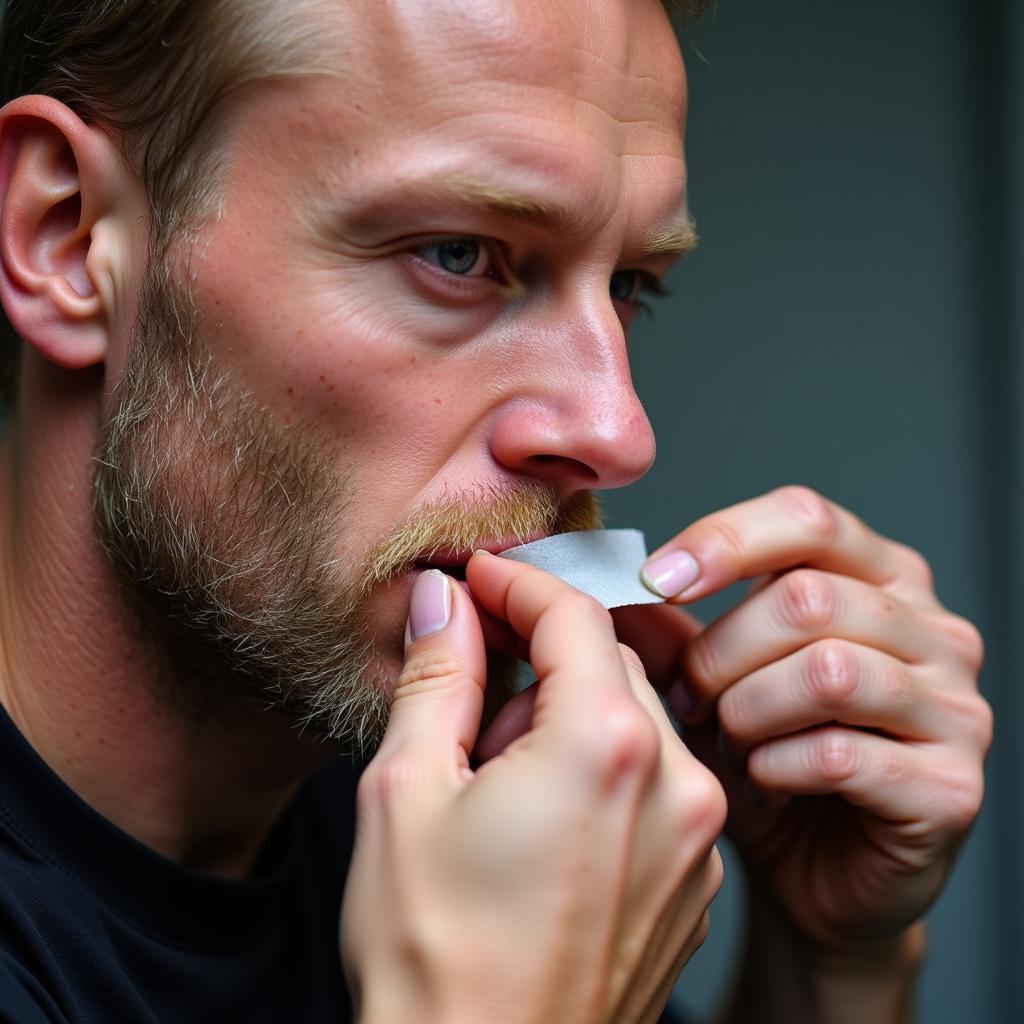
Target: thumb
{"x":438,"y":699}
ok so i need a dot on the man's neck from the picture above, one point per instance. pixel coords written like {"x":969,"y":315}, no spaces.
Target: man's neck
{"x":83,"y":682}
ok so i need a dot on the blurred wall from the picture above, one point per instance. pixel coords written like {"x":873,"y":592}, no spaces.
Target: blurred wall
{"x":851,"y":321}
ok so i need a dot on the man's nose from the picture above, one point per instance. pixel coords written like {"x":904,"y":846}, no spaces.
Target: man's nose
{"x":571,"y":416}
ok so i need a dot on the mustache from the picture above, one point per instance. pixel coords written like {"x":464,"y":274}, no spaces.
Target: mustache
{"x":465,"y":521}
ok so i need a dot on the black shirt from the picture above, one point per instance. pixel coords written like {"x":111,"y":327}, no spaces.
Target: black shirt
{"x":96,"y":927}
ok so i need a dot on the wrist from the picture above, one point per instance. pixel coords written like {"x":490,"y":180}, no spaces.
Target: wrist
{"x":787,"y":975}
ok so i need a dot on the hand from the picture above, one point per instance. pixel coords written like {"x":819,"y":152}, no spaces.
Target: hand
{"x":567,"y":878}
{"x":838,"y":703}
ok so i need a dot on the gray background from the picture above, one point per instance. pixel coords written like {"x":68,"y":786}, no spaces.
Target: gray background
{"x":851,"y":321}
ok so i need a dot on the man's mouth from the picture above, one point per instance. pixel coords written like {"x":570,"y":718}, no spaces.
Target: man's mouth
{"x":457,"y":570}
{"x":453,"y":562}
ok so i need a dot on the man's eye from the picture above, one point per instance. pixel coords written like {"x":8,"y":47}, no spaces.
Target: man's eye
{"x":630,"y":285}
{"x":465,"y":257}
{"x":625,"y":286}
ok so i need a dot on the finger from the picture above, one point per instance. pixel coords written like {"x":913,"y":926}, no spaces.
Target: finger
{"x":928,"y":790}
{"x":801,"y":607}
{"x":674,"y":752}
{"x":789,"y":527}
{"x":682,"y":779}
{"x":679,"y":932}
{"x":836,"y":681}
{"x":585,"y":714}
{"x":659,"y":634}
{"x":438,"y":699}
{"x":511,"y":722}
{"x":573,"y":647}
{"x":499,"y":637}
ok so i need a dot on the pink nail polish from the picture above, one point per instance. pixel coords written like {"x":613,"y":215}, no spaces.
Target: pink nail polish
{"x":431,"y":605}
{"x":670,"y":574}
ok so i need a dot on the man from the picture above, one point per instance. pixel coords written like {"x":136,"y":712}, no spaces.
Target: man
{"x":313,"y":301}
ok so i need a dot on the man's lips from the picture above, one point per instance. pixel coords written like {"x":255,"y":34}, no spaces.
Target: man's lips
{"x":452,"y":561}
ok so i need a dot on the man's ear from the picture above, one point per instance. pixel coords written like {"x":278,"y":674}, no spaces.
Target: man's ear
{"x":64,"y":198}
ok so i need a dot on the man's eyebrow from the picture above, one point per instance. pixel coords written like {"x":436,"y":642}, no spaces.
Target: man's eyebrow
{"x":389,"y":210}
{"x":674,"y":238}
{"x":476,"y":194}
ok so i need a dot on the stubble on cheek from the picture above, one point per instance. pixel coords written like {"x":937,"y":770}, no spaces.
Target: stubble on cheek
{"x":223,"y":525}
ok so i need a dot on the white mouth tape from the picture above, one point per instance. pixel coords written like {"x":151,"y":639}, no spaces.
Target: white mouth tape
{"x":603,"y":563}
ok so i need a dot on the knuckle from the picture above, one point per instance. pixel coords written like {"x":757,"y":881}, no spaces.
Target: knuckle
{"x":384,"y":781}
{"x":425,"y":668}
{"x":701,"y":806}
{"x":620,"y":738}
{"x":810,"y":509}
{"x":724,"y":535}
{"x":833,"y":756}
{"x":962,"y":799}
{"x":807,"y":599}
{"x":833,"y":674}
{"x":701,"y":663}
{"x":979,"y":719}
{"x":915,"y":565}
{"x":966,"y":638}
{"x":985,"y":724}
{"x":738,"y":713}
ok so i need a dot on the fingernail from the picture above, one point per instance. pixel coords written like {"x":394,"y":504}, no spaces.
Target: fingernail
{"x":430,"y":607}
{"x":680,"y":700}
{"x":670,"y":574}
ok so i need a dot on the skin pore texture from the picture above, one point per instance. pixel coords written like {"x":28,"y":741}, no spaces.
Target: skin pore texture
{"x":306,"y":401}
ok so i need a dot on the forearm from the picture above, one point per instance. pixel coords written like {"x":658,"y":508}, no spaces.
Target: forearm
{"x":783,"y":977}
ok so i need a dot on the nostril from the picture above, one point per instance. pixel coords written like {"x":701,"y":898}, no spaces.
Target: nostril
{"x":579,"y":468}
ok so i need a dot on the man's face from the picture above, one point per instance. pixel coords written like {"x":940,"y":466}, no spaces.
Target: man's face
{"x":413,"y":307}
